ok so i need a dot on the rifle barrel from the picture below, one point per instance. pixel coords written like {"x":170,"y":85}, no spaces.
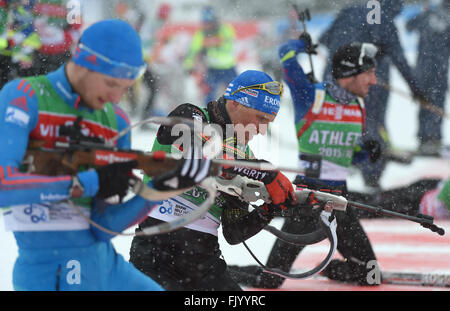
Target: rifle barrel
{"x":379,"y":210}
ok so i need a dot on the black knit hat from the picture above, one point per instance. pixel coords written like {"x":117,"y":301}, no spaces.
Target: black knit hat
{"x":352,"y":59}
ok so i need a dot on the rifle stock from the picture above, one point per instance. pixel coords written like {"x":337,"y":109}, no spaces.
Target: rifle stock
{"x":54,"y":162}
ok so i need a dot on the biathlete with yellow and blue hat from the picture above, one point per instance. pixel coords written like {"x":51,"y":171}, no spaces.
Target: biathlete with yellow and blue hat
{"x":190,"y":258}
{"x":58,"y":248}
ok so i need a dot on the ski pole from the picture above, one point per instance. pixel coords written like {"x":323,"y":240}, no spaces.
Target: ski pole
{"x":425,"y":221}
{"x":426,"y":105}
{"x":304,"y":16}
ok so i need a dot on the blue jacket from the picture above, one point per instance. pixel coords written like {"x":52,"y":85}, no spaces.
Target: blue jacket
{"x":303,"y":92}
{"x":351,"y":25}
{"x":18,"y":118}
{"x":433,"y":27}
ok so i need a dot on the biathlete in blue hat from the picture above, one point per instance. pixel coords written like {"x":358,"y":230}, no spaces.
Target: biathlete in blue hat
{"x":190,"y":258}
{"x":58,"y":249}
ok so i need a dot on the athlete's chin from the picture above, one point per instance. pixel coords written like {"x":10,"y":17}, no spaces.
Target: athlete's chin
{"x":363,"y":93}
{"x":98,"y":104}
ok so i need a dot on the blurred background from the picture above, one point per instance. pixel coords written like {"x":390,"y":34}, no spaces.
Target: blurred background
{"x":260,"y":26}
{"x":193,"y":48}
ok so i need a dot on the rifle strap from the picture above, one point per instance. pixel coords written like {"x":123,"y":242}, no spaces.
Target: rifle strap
{"x":328,"y":224}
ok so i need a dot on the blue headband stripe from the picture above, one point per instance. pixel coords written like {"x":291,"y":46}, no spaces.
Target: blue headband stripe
{"x":86,"y":57}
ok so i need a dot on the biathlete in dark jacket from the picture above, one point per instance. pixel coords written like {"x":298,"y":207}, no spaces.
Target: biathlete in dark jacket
{"x":190,"y":258}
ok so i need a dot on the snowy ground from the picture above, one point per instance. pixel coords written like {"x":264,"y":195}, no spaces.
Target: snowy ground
{"x":401,"y":124}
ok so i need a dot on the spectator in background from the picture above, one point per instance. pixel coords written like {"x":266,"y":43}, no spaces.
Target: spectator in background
{"x":270,"y":36}
{"x":351,"y":24}
{"x":149,"y":37}
{"x":433,"y":48}
{"x":164,"y":52}
{"x":132,"y":13}
{"x":5,"y":48}
{"x":161,"y":80}
{"x":57,"y":36}
{"x":212,"y":46}
{"x":18,"y":39}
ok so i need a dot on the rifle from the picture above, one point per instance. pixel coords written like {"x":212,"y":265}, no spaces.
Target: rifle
{"x":80,"y":151}
{"x":252,"y":191}
{"x":66,"y":158}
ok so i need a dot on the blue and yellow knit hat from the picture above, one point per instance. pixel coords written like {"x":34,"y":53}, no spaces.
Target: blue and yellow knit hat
{"x":111,"y":47}
{"x":248,"y":89}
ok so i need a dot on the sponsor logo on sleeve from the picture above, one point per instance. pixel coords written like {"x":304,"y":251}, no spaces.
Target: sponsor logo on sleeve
{"x":17,"y":116}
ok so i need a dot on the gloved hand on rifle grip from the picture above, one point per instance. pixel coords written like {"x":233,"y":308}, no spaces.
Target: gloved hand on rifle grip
{"x":278,"y":185}
{"x":189,"y":172}
{"x":310,"y":48}
{"x":280,"y":188}
{"x":113,"y":179}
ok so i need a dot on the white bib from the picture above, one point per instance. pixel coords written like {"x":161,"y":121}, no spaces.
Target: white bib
{"x":44,"y":217}
{"x":176,"y":207}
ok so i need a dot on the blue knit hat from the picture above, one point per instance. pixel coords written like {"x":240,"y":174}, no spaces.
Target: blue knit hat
{"x":208,"y":15}
{"x":253,"y":98}
{"x":111,"y":47}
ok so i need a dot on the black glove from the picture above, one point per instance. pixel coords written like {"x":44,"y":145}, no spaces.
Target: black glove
{"x":113,"y":179}
{"x":189,"y":172}
{"x":277,"y":184}
{"x":310,"y":47}
{"x":373,"y":147}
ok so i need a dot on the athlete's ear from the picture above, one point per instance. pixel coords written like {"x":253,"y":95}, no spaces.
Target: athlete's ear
{"x":232,"y":108}
{"x":234,"y":105}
